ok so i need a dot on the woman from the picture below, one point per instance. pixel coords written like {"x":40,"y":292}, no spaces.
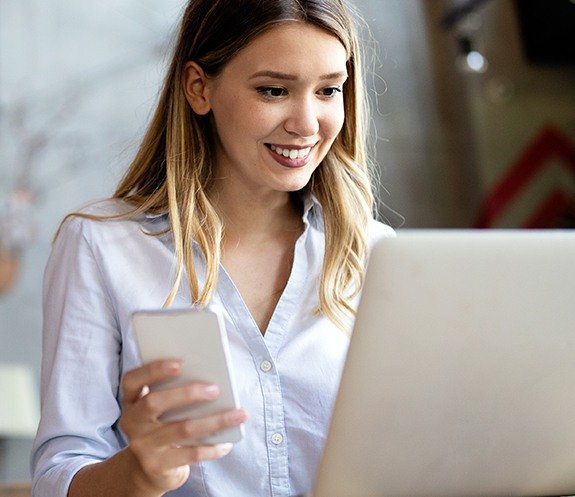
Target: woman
{"x":250,"y":190}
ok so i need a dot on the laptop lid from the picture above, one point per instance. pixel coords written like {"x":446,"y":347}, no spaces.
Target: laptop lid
{"x":460,"y":377}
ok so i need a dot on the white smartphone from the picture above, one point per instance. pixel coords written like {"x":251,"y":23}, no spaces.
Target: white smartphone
{"x":199,"y":338}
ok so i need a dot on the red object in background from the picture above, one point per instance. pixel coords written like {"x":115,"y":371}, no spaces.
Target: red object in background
{"x":550,"y":212}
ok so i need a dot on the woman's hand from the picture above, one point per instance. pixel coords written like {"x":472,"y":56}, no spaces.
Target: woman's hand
{"x":163,"y":462}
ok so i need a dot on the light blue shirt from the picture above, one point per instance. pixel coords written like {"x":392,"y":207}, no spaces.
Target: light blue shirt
{"x":98,"y":274}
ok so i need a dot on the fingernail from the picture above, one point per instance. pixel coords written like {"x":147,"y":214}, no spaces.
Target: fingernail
{"x":211,"y":391}
{"x":172,"y":367}
{"x":225,"y":449}
{"x":237,"y":417}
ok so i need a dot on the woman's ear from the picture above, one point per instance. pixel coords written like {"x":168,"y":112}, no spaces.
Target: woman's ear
{"x":195,"y":83}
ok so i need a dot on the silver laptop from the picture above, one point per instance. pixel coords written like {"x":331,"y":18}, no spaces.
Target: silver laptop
{"x":460,"y":377}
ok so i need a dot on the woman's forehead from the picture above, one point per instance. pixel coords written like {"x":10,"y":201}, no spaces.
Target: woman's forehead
{"x":292,"y":48}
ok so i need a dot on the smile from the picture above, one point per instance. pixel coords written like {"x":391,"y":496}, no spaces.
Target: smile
{"x":291,"y":153}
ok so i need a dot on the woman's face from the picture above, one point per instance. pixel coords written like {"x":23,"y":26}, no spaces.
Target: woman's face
{"x":277,"y":108}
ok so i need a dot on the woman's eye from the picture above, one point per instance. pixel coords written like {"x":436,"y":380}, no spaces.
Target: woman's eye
{"x":272,"y":91}
{"x":331,"y":91}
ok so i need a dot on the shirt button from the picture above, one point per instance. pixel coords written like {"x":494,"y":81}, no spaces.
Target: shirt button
{"x":277,"y":438}
{"x":265,"y":366}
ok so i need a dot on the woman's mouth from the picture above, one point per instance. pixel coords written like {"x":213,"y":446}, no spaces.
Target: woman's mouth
{"x":290,"y":153}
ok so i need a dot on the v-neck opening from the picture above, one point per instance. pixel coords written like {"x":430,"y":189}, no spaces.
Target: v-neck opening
{"x":284,"y":306}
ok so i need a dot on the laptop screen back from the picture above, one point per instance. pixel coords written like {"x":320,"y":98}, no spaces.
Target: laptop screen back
{"x":460,"y":377}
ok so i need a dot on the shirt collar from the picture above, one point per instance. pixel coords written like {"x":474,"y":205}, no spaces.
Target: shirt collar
{"x":312,"y":209}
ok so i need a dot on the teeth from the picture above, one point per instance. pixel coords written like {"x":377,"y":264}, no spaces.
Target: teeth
{"x":293,"y":153}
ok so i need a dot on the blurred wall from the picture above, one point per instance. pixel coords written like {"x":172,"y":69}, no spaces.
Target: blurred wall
{"x":77,"y":81}
{"x":410,"y":140}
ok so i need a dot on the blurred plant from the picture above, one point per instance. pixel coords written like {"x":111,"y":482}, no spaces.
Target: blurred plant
{"x":37,"y":127}
{"x":32,"y":134}
{"x":16,"y":232}
{"x":33,"y":138}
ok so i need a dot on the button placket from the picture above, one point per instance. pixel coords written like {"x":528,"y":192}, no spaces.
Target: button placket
{"x":266,"y":366}
{"x":277,"y":438}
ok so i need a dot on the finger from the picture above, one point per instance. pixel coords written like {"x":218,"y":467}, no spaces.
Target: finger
{"x":154,"y":404}
{"x":134,"y":381}
{"x":191,"y":430}
{"x":196,"y":454}
{"x":158,"y":445}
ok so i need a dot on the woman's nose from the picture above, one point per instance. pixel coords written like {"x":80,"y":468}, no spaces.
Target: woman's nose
{"x":303,"y":118}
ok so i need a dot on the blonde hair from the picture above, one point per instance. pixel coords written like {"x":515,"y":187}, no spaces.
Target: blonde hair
{"x":171,"y":171}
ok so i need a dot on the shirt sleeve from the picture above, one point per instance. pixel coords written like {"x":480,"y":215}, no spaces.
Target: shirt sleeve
{"x":80,"y":365}
{"x":378,"y":231}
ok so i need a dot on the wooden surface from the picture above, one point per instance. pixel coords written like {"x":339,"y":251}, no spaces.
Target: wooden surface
{"x":14,"y":490}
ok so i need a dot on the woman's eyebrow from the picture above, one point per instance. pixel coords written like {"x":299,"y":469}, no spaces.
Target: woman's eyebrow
{"x":292,"y":77}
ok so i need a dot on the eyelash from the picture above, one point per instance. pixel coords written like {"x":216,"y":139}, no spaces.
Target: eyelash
{"x":266,"y":91}
{"x":334,"y":89}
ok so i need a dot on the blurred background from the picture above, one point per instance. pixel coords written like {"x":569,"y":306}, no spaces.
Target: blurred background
{"x":473,"y":126}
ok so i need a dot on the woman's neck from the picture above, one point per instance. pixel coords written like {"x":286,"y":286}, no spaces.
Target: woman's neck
{"x":251,"y":214}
